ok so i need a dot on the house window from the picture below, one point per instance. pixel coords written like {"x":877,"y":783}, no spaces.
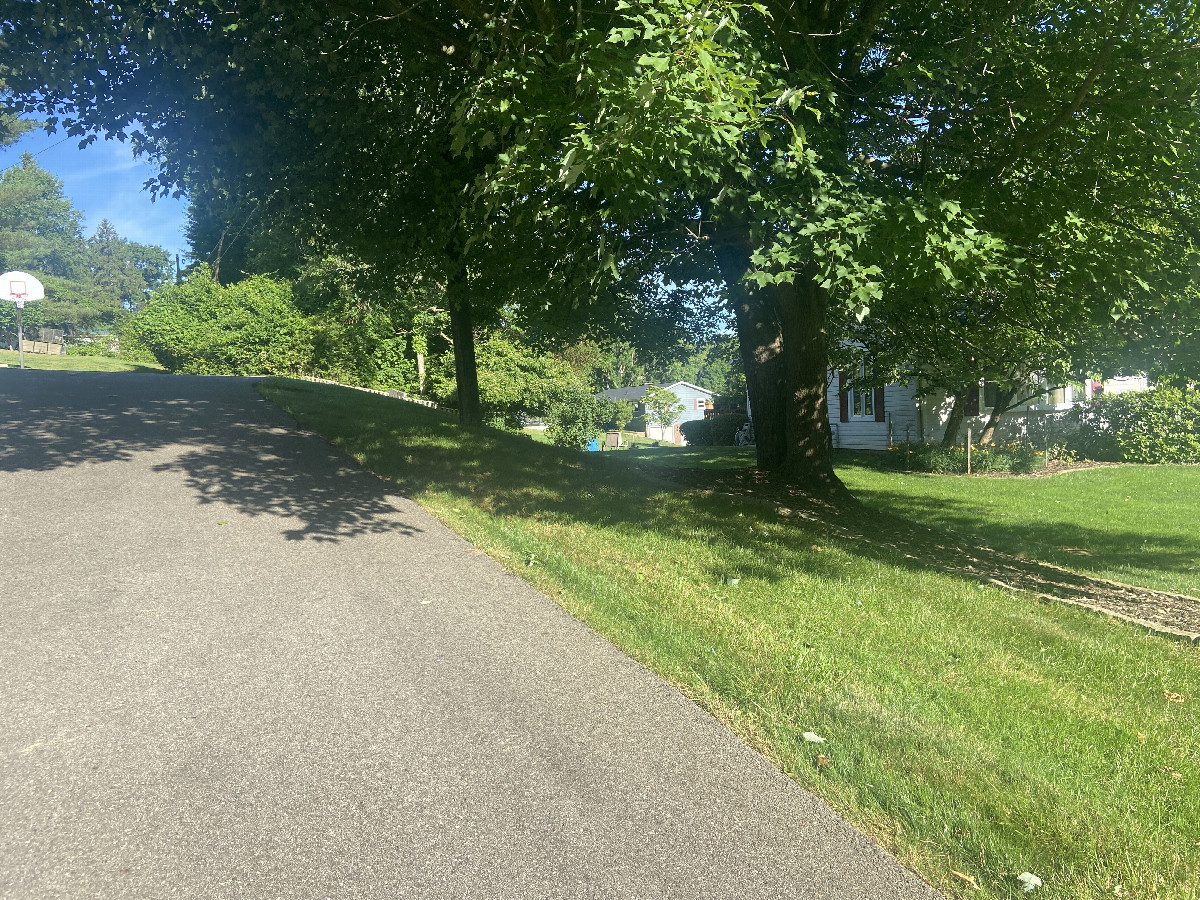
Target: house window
{"x":862,"y":400}
{"x":859,"y":403}
{"x":862,"y":404}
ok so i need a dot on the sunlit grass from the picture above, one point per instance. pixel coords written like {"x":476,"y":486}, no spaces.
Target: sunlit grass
{"x":1135,"y":524}
{"x":12,"y":359}
{"x":968,"y":729}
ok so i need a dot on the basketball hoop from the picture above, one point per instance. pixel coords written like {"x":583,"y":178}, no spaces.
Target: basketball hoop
{"x":20,"y":288}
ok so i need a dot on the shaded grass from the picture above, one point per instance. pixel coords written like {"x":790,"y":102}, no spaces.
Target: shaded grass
{"x":967,"y":729}
{"x":699,"y":457}
{"x":76,"y":363}
{"x":1134,"y":524}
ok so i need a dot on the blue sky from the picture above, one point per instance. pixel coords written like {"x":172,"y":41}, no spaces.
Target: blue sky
{"x":104,"y":181}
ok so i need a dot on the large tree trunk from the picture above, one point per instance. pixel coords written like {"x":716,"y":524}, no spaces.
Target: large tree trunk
{"x":761,"y":344}
{"x":954,"y":423}
{"x":802,"y":307}
{"x":1003,"y":399}
{"x":781,"y":329}
{"x":462,"y":333}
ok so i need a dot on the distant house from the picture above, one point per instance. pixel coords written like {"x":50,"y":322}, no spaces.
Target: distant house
{"x":695,"y":399}
{"x":876,"y":418}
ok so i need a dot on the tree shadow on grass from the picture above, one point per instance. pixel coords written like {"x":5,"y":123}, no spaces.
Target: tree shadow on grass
{"x":1058,"y":543}
{"x":232,"y":448}
{"x":423,"y":450}
{"x":902,"y":541}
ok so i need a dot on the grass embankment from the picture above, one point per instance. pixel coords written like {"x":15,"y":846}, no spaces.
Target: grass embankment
{"x":967,"y":729}
{"x":1138,"y":525}
{"x":75,"y":363}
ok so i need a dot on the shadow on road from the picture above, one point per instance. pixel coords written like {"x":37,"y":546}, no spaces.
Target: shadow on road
{"x":232,"y":448}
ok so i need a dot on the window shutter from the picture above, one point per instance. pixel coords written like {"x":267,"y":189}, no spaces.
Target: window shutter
{"x":879,"y":411}
{"x":973,"y":401}
{"x":843,"y":398}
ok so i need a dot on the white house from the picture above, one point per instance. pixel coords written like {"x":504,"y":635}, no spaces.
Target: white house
{"x":876,"y":418}
{"x":696,"y":401}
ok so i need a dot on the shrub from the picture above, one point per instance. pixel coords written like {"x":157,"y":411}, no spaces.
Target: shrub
{"x":98,"y":347}
{"x":517,"y":384}
{"x":573,"y":416}
{"x":204,"y":328}
{"x":128,"y":345}
{"x":725,"y":428}
{"x":363,"y":352}
{"x":1017,"y":459}
{"x":697,"y":432}
{"x":1157,"y":426}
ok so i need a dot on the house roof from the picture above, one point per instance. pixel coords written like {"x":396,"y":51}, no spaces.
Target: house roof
{"x":694,"y":387}
{"x":639,"y":391}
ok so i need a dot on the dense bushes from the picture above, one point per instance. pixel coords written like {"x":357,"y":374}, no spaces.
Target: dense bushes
{"x":257,"y":327}
{"x":517,"y":384}
{"x":203,"y":328}
{"x":1016,"y":459}
{"x":1158,"y":426}
{"x":573,"y":415}
{"x":366,"y":326}
{"x":725,"y":428}
{"x":720,"y":431}
{"x":697,"y":432}
{"x":362,"y":352}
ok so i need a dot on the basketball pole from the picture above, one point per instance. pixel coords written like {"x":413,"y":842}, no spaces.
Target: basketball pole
{"x":20,"y":333}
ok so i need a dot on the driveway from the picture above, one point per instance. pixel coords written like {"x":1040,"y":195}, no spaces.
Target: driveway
{"x":235,"y":665}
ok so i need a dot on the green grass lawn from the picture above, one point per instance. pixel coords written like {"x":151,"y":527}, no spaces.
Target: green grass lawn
{"x":1135,"y":524}
{"x":967,"y":729}
{"x":76,"y":363}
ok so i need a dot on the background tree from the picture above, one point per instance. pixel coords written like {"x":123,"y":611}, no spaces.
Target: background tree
{"x":820,"y":157}
{"x":123,"y":273}
{"x":39,"y":229}
{"x":89,"y":283}
{"x":663,"y":407}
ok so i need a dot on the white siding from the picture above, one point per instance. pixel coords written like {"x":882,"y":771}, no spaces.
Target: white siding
{"x":1040,"y":423}
{"x":912,"y":417}
{"x":900,"y":421}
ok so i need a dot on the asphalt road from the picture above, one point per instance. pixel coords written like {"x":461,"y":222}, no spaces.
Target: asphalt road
{"x":235,"y":665}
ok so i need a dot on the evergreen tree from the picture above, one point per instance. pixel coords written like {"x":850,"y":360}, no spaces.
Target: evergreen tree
{"x":39,"y":229}
{"x":123,"y":273}
{"x":89,"y":283}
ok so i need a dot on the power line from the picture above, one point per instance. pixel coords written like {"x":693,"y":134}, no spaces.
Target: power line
{"x":55,"y":144}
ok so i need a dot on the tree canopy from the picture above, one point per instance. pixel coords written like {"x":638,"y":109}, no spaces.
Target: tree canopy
{"x":90,"y":282}
{"x":827,"y":160}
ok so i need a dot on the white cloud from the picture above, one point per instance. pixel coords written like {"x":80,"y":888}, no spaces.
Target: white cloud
{"x":104,"y":181}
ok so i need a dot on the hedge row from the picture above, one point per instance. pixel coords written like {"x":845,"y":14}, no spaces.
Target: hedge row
{"x":1157,"y":426}
{"x":720,"y":431}
{"x":1015,"y":458}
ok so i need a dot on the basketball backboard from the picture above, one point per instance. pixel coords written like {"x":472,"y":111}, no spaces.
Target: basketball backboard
{"x":20,"y":288}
